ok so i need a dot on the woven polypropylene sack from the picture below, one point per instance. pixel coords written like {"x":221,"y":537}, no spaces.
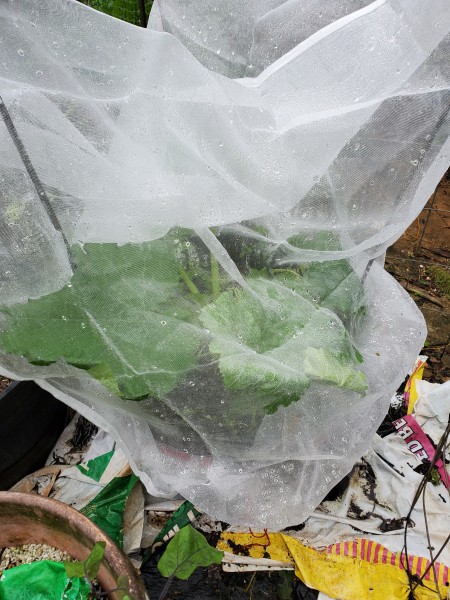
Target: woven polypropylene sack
{"x":193,"y":224}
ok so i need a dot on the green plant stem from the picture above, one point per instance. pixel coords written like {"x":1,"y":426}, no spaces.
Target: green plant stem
{"x":165,"y":589}
{"x":250,"y":583}
{"x":142,"y":14}
{"x":290,"y":271}
{"x":215,"y":282}
{"x":190,"y":284}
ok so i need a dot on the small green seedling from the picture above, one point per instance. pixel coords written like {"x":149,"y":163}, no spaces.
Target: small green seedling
{"x":184,"y":553}
{"x":89,"y":568}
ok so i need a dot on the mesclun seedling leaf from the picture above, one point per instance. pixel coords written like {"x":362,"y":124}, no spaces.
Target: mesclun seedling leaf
{"x":74,"y":569}
{"x":185,"y":552}
{"x":88,"y":568}
{"x":94,"y":560}
{"x":115,"y":319}
{"x":123,"y":588}
{"x":82,"y":573}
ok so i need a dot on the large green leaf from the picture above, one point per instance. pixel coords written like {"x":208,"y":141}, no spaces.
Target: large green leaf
{"x":269,"y":340}
{"x":130,"y":316}
{"x":119,"y":317}
{"x":185,"y":552}
{"x":127,"y":10}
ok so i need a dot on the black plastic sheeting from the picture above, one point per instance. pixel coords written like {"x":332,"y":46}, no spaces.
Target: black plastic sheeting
{"x":31,"y":420}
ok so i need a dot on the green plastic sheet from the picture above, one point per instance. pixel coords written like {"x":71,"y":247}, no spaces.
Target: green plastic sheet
{"x":106,"y":509}
{"x":42,"y":580}
{"x":95,"y":467}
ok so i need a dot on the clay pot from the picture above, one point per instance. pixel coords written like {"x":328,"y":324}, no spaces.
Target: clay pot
{"x":33,"y":519}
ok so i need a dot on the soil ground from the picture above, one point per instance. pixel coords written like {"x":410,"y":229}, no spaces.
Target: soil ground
{"x":4,"y":382}
{"x":420,"y":261}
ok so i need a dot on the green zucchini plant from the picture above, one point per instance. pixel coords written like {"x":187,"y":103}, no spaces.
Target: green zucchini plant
{"x":142,"y":318}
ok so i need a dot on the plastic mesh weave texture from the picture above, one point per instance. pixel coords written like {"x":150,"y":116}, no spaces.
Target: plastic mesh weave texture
{"x":193,"y":220}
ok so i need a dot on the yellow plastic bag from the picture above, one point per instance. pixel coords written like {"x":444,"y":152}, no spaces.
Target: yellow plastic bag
{"x":354,"y":570}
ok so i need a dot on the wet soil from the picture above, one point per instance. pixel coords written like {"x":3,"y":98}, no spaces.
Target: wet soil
{"x":420,"y":261}
{"x":4,"y":382}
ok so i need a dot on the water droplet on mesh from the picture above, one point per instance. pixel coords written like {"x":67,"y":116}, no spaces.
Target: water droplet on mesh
{"x":20,"y":52}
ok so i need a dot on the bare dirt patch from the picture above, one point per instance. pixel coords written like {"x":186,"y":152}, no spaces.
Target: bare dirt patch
{"x":4,"y":382}
{"x":420,"y":261}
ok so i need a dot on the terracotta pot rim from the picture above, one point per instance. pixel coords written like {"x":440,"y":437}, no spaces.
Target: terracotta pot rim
{"x":58,"y":508}
{"x":47,"y":512}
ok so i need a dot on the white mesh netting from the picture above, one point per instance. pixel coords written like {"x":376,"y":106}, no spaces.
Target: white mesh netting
{"x":193,"y":222}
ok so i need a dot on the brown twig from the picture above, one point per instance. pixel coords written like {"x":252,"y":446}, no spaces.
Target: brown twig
{"x":426,"y":221}
{"x":419,"y":292}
